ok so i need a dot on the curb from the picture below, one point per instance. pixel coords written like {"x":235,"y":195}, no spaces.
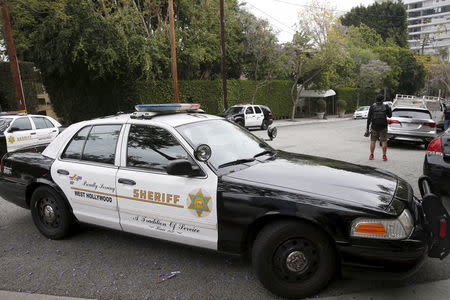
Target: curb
{"x":282,"y":123}
{"x":26,"y":296}
{"x":437,"y":290}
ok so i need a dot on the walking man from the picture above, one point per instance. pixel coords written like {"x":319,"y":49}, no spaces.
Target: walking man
{"x":446,"y":116}
{"x":378,"y":114}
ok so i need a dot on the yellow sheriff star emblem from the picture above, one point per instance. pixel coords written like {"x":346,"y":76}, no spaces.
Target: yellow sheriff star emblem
{"x":199,"y":203}
{"x":11,"y":140}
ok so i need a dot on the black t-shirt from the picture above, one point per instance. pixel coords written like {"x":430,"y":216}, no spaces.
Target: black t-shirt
{"x":378,"y":114}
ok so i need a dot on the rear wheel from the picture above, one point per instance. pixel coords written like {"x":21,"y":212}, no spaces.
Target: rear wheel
{"x":293,"y":259}
{"x":265,"y":124}
{"x":51,"y":213}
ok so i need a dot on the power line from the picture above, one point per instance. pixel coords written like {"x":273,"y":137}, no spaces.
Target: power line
{"x":276,"y":20}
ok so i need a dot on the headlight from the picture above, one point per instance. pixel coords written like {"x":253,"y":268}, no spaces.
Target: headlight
{"x":385,"y":229}
{"x":230,"y":118}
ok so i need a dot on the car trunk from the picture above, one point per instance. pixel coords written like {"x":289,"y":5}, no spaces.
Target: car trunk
{"x":412,"y":120}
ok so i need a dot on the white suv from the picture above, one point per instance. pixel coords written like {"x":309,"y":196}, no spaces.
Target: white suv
{"x":19,"y":131}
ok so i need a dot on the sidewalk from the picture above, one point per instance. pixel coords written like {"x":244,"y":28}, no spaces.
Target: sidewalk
{"x":304,"y":121}
{"x":5,"y":295}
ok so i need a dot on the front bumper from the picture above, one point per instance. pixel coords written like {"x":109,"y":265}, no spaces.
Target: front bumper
{"x":400,"y":259}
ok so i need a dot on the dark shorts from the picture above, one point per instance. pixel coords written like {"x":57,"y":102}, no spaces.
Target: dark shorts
{"x":379,"y":134}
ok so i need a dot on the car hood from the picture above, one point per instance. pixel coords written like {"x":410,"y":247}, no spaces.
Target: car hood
{"x":338,"y":181}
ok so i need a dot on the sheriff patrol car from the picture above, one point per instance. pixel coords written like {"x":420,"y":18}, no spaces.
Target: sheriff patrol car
{"x":174,"y":173}
{"x":19,"y":130}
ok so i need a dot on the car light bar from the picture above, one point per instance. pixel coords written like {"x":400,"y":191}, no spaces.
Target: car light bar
{"x":167,"y":108}
{"x":17,"y":112}
{"x":385,"y":229}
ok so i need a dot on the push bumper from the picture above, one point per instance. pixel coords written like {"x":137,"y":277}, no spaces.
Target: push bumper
{"x":400,"y":259}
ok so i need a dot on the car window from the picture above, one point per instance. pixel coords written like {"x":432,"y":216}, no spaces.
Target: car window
{"x":39,"y":122}
{"x":411,"y":114}
{"x":75,"y":148}
{"x":101,"y":144}
{"x":153,"y":148}
{"x":257,"y":110}
{"x":233,"y":110}
{"x":22,"y":124}
{"x":48,"y":123}
{"x":249,"y":111}
{"x":4,"y":124}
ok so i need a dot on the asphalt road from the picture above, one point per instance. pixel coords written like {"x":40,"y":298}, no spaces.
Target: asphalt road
{"x":106,"y":264}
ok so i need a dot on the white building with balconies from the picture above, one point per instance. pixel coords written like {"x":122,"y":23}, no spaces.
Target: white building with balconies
{"x":428,"y":25}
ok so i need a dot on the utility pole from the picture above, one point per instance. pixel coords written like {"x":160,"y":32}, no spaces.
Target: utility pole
{"x":13,"y":62}
{"x":224,"y":55}
{"x":173,"y":50}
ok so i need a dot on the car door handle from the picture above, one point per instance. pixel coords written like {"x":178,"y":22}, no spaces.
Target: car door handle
{"x":127,"y":181}
{"x":55,"y":130}
{"x":62,"y":172}
{"x":33,"y":133}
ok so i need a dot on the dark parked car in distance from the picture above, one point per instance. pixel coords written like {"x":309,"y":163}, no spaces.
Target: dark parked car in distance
{"x":250,"y":116}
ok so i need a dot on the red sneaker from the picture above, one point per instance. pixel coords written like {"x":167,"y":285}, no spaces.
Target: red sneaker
{"x":384,"y":157}
{"x":371,"y":157}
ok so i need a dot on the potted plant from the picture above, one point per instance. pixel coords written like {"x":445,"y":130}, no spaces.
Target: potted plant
{"x":342,"y":105}
{"x":321,"y":104}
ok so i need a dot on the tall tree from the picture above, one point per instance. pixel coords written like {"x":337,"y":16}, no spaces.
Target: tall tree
{"x":388,"y":18}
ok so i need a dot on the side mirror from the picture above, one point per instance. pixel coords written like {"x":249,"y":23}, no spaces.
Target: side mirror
{"x":203,"y":152}
{"x":272,"y":133}
{"x":180,"y":167}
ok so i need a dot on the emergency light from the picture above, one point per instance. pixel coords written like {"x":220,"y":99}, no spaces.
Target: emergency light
{"x":167,"y":108}
{"x":18,"y":112}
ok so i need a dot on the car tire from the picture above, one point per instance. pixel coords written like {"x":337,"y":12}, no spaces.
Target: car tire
{"x":293,"y":259}
{"x":240,"y":123}
{"x":265,"y":124}
{"x":51,"y":213}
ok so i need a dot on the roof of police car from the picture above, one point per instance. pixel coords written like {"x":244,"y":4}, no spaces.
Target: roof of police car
{"x":174,"y":119}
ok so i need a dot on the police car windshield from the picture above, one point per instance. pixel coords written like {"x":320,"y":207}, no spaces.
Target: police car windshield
{"x":4,"y":123}
{"x":228,"y":142}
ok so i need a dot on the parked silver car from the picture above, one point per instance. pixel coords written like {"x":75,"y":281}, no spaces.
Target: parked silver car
{"x":361,"y":113}
{"x":411,"y":125}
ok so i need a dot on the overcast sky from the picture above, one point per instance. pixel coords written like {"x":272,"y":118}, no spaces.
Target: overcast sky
{"x":283,"y":14}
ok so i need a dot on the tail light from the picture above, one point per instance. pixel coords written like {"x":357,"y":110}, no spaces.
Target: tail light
{"x":393,"y":121}
{"x":442,"y":228}
{"x":435,"y":146}
{"x":429,"y":124}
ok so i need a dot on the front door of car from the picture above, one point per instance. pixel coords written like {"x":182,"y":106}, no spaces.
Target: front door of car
{"x":86,"y":172}
{"x":45,"y":131}
{"x":20,"y":134}
{"x":250,"y":117}
{"x":156,"y":204}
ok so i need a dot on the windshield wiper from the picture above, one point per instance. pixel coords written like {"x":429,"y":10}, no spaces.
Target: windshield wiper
{"x":264,"y":153}
{"x":237,"y":162}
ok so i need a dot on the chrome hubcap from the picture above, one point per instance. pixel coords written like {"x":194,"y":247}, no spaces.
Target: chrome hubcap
{"x":296,"y":261}
{"x":49,"y":214}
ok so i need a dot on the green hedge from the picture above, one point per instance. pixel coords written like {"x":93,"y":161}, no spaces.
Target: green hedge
{"x":275,"y":94}
{"x":350,"y":95}
{"x":30,"y":83}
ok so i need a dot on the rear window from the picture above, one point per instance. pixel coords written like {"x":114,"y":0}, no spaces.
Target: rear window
{"x":4,"y":124}
{"x":411,"y":114}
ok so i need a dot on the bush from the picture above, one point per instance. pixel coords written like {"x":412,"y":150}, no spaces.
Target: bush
{"x":321,"y":104}
{"x":342,"y":105}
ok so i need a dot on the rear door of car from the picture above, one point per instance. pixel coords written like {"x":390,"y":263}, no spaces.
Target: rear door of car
{"x":45,"y":130}
{"x":21,"y":134}
{"x":412,"y":120}
{"x":86,"y":171}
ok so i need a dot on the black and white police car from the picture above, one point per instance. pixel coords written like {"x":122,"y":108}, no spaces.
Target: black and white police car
{"x":174,"y":173}
{"x":250,"y":116}
{"x":19,"y":130}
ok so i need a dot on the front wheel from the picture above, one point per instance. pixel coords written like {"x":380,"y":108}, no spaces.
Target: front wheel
{"x":51,"y":213}
{"x":293,"y":259}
